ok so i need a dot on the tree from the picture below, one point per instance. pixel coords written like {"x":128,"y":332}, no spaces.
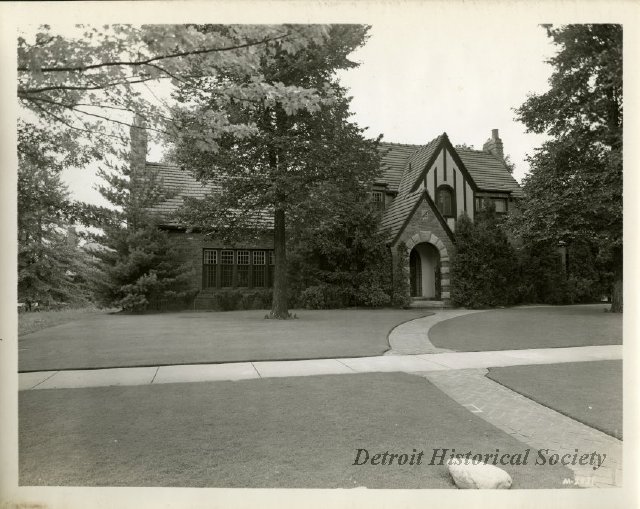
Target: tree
{"x":484,"y":266}
{"x":51,"y":268}
{"x":78,"y":91}
{"x":140,"y":265}
{"x":298,"y":147}
{"x":342,"y":253}
{"x":573,"y":193}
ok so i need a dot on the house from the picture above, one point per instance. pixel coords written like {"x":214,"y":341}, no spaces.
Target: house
{"x":422,"y":190}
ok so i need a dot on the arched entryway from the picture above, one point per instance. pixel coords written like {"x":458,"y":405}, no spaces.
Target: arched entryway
{"x":424,"y":271}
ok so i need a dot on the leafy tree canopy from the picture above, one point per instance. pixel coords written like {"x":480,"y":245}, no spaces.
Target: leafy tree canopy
{"x":290,"y":154}
{"x":574,"y":189}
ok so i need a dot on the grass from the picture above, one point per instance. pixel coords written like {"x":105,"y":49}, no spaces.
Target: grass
{"x":538,"y":327}
{"x":119,"y":340}
{"x":34,"y":321}
{"x":286,"y":433}
{"x":589,"y":392}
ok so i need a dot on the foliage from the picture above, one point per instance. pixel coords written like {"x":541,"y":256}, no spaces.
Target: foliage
{"x":541,"y":278}
{"x":574,"y":191}
{"x":141,"y":266}
{"x":324,"y":296}
{"x":52,"y":268}
{"x":401,"y":291}
{"x":343,"y":256}
{"x":85,"y":82}
{"x":299,"y":148}
{"x":484,"y":266}
{"x":230,"y":299}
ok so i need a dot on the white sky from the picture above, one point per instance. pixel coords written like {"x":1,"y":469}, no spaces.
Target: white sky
{"x":415,"y":83}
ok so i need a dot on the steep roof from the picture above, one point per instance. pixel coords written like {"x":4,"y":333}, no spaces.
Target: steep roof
{"x":403,"y":163}
{"x":488,"y":172}
{"x":394,"y":160}
{"x":181,"y":184}
{"x":395,"y":216}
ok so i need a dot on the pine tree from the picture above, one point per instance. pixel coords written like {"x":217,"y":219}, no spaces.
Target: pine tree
{"x":140,"y":266}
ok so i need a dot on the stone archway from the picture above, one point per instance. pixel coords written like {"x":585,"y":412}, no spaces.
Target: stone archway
{"x":424,"y":271}
{"x":428,"y":238}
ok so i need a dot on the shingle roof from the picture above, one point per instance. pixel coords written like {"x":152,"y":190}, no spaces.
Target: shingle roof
{"x":394,"y":160}
{"x":181,"y":184}
{"x":488,"y":172}
{"x":403,"y":163}
{"x":395,"y":216}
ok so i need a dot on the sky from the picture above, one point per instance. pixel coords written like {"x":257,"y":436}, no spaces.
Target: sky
{"x":415,"y":83}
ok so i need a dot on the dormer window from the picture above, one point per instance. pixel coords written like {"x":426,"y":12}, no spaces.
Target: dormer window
{"x":445,"y":201}
{"x":377,"y":197}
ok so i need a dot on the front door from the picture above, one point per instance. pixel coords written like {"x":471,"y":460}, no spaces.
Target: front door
{"x":415,"y":273}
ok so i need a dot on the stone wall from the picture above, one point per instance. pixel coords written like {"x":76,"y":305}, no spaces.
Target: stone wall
{"x":425,"y":227}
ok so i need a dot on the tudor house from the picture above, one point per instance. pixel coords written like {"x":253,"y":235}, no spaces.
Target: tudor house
{"x":422,"y":190}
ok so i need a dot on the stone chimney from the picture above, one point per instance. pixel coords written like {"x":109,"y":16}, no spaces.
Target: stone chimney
{"x":494,"y":145}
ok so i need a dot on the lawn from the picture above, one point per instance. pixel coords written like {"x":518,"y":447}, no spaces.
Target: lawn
{"x":119,"y":340}
{"x":536,"y":327}
{"x":286,"y":433}
{"x":589,"y":392}
{"x":37,"y":320}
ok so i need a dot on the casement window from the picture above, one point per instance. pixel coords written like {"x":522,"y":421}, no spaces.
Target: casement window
{"x":242,"y":268}
{"x":377,"y":198}
{"x":209,"y":268}
{"x":259,"y":269}
{"x":499,"y":204}
{"x":445,"y":201}
{"x":242,"y":258}
{"x":226,"y":273}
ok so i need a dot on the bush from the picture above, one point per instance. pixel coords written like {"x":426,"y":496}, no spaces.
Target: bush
{"x":370,"y":294}
{"x":324,"y":296}
{"x":484,"y":268}
{"x":238,"y":299}
{"x":401,"y":291}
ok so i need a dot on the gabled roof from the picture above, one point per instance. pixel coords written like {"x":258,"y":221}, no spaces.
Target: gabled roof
{"x":394,"y":159}
{"x":488,"y":172}
{"x":403,"y":166}
{"x":395,"y":216}
{"x":181,"y":184}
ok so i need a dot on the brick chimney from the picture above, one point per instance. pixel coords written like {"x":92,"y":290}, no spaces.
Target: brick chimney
{"x":494,"y":145}
{"x":138,"y":155}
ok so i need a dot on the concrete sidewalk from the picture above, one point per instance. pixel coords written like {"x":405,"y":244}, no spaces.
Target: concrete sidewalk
{"x":423,"y":363}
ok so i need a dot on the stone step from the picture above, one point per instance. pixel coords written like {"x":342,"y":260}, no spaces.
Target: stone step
{"x":426,"y":303}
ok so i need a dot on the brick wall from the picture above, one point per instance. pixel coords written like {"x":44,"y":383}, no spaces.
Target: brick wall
{"x":192,"y":244}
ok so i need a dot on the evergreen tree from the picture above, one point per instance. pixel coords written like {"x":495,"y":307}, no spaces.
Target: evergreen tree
{"x":140,"y":266}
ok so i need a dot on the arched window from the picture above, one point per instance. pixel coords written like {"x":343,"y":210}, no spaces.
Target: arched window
{"x":445,"y":201}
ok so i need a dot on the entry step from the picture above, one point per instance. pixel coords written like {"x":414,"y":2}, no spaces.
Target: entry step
{"x":427,"y":303}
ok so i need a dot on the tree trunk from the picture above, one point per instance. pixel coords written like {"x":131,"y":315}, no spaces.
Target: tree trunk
{"x":616,"y":296}
{"x":279,"y":308}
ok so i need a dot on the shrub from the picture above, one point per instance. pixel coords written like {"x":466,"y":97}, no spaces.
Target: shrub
{"x":484,"y":267}
{"x":324,"y":296}
{"x":401,"y":291}
{"x":371,"y":294}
